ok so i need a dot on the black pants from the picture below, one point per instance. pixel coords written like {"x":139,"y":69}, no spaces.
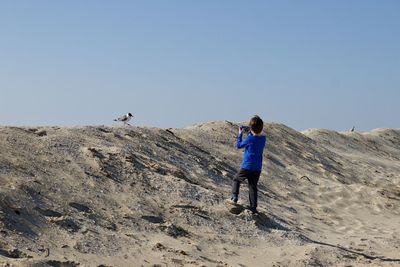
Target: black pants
{"x":252,"y":178}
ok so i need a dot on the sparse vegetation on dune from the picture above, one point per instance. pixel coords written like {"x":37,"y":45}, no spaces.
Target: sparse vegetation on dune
{"x":134,"y":196}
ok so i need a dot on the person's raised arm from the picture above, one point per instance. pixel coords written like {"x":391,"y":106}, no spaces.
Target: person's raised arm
{"x":241,"y":144}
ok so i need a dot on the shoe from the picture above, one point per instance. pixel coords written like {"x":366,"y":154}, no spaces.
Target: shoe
{"x":231,"y":201}
{"x":253,"y":210}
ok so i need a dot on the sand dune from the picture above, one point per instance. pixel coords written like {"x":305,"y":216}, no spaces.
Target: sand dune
{"x":133,"y":196}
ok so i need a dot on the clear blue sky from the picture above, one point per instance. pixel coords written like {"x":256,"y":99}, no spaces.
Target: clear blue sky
{"x":307,"y":64}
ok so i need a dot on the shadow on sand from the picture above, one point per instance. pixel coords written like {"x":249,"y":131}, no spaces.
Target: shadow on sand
{"x":266,"y":223}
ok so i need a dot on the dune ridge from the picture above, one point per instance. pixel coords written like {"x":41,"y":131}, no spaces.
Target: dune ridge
{"x":141,"y":196}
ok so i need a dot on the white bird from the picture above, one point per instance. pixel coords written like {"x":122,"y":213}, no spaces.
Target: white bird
{"x":125,"y":119}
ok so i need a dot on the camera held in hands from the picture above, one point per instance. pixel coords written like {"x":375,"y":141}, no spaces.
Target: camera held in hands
{"x":245,"y":129}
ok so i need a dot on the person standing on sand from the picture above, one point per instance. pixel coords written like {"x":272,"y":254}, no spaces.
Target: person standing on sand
{"x":251,"y":167}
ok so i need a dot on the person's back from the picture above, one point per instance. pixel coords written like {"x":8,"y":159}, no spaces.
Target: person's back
{"x":253,"y":152}
{"x":251,"y":167}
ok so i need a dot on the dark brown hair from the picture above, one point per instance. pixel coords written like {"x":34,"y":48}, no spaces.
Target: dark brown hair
{"x":256,"y":124}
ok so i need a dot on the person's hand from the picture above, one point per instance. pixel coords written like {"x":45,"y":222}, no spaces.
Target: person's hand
{"x":241,"y":130}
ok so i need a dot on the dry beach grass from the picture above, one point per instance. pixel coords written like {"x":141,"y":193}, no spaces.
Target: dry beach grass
{"x":135,"y":196}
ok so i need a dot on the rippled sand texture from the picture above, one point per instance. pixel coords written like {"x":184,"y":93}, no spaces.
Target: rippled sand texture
{"x":133,"y":196}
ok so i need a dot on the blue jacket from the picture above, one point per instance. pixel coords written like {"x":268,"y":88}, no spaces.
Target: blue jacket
{"x":253,"y":151}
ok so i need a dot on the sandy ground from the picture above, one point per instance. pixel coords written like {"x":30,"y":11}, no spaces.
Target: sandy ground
{"x":132,"y":196}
